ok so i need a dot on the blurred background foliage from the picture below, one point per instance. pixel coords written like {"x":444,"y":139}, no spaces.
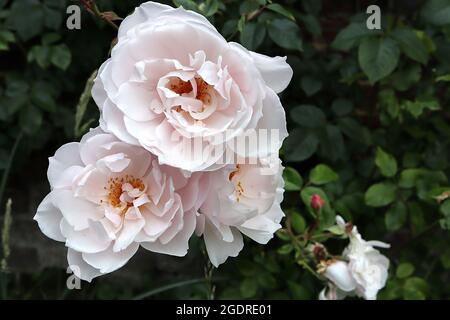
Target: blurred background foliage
{"x":368,"y":116}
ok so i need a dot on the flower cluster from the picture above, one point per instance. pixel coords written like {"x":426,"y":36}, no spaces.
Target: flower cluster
{"x":362,"y":270}
{"x":172,"y":83}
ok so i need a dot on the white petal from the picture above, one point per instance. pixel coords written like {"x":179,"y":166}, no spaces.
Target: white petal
{"x":261,"y":228}
{"x":80,"y":268}
{"x":113,"y":121}
{"x":275,"y":71}
{"x":76,"y":211}
{"x":91,"y":240}
{"x":338,"y":272}
{"x":218,"y":249}
{"x":108,"y":260}
{"x":128,"y":233}
{"x":49,"y":218}
{"x":66,"y":156}
{"x":179,"y":245}
{"x":115,"y":162}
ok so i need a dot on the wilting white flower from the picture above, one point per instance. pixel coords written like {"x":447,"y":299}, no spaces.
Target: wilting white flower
{"x":173,"y":84}
{"x":339,"y":274}
{"x":109,"y":197}
{"x":365,"y":270}
{"x":242,"y":199}
{"x":367,"y":265}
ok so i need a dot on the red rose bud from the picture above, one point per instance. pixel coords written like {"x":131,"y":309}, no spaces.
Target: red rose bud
{"x":317,"y":202}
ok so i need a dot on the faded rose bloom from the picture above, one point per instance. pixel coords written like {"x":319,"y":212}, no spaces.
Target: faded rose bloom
{"x":174,"y":83}
{"x":365,"y":270}
{"x":367,"y":265}
{"x":108,"y":198}
{"x":338,"y":273}
{"x":242,"y":199}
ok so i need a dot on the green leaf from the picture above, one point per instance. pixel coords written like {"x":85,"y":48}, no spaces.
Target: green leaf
{"x":41,"y":97}
{"x":341,"y":107}
{"x":27,"y":18}
{"x":285,"y":249}
{"x":248,"y":288}
{"x":310,"y":85}
{"x":351,"y":36}
{"x":187,"y":4}
{"x":281,"y":10}
{"x":332,"y":143}
{"x":445,"y":260}
{"x":60,"y":56}
{"x":300,"y":145}
{"x":298,"y":292}
{"x":308,"y":116}
{"x":85,"y":97}
{"x":209,"y":7}
{"x":41,"y":54}
{"x":241,"y":23}
{"x":413,"y":294}
{"x":436,"y":12}
{"x":298,"y":223}
{"x":248,"y":6}
{"x":312,"y":24}
{"x":6,"y":37}
{"x":285,"y":33}
{"x":386,"y":163}
{"x":404,"y":270}
{"x":380,"y":194}
{"x":266,"y":280}
{"x":409,"y":177}
{"x":52,"y":19}
{"x":417,"y":107}
{"x":411,"y":45}
{"x":50,"y":38}
{"x":30,"y":120}
{"x":292,"y":179}
{"x":445,"y":208}
{"x":395,"y":217}
{"x":253,"y":35}
{"x":322,"y":174}
{"x":415,"y":288}
{"x":355,"y":131}
{"x":378,"y":57}
{"x":445,"y":78}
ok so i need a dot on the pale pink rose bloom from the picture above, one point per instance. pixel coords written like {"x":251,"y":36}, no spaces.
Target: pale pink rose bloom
{"x":108,"y":198}
{"x":243,"y":199}
{"x":173,"y":80}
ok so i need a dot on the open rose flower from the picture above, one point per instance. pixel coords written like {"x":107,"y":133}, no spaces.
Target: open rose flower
{"x":173,"y":84}
{"x":109,"y":197}
{"x":243,"y":198}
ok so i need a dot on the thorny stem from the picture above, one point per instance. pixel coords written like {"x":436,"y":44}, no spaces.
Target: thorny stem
{"x":298,"y":248}
{"x":92,"y":8}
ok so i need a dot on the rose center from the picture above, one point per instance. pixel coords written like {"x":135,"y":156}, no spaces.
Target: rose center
{"x":122,"y":191}
{"x":184,"y":87}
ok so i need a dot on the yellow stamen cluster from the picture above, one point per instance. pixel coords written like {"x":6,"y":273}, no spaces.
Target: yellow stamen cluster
{"x":114,"y":188}
{"x":181,"y":87}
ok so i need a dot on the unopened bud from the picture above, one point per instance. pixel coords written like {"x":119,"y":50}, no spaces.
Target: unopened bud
{"x":317,"y":202}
